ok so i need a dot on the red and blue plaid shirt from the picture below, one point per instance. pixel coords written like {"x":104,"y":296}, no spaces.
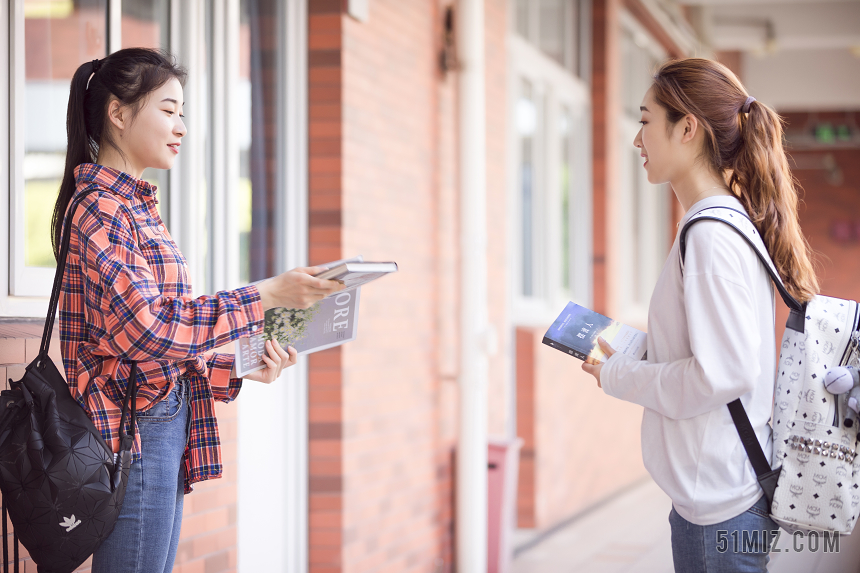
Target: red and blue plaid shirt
{"x":126,"y":297}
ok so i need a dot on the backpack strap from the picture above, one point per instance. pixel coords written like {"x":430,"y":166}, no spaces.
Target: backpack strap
{"x":741,"y":223}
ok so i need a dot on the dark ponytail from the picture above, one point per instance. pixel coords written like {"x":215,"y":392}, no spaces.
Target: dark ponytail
{"x":743,"y":143}
{"x":127,"y":75}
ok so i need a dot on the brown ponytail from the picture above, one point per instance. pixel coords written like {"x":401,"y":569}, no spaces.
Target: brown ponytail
{"x":747,"y":149}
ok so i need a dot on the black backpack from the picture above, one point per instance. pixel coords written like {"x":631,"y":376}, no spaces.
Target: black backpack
{"x":60,"y":482}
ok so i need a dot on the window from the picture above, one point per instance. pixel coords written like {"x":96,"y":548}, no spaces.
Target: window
{"x":550,"y":155}
{"x":555,"y":28}
{"x":644,"y":209}
{"x":51,"y":39}
{"x":225,"y":199}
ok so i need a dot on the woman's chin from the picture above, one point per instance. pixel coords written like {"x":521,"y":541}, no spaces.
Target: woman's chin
{"x":165,"y":163}
{"x":654,"y":179}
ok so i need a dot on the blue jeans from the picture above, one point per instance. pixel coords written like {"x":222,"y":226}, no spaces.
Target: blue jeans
{"x":147,"y":532}
{"x":737,"y":545}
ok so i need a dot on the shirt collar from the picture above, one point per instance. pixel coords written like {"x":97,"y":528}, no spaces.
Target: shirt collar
{"x":708,"y":202}
{"x":120,"y":183}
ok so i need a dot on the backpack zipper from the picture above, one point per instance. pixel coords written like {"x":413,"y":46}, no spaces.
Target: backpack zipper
{"x":854,"y":341}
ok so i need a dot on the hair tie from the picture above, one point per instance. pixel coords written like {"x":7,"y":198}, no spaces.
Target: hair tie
{"x":96,"y":65}
{"x":746,"y":107}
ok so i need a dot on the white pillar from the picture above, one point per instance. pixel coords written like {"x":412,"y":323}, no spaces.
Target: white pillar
{"x":471,"y":511}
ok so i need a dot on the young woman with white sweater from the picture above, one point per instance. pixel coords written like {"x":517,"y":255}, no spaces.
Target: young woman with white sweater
{"x":711,"y":325}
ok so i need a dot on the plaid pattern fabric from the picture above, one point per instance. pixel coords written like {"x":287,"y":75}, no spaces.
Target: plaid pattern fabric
{"x":126,"y":297}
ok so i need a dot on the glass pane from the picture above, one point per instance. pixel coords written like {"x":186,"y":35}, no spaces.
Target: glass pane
{"x":244,"y":112}
{"x":564,"y":129}
{"x":59,"y":35}
{"x":637,"y":65}
{"x":145,"y":25}
{"x":523,"y":18}
{"x":527,"y":122}
{"x":554,"y":29}
{"x":260,"y":139}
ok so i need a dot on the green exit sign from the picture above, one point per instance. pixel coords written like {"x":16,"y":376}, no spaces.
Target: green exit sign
{"x":829,"y":133}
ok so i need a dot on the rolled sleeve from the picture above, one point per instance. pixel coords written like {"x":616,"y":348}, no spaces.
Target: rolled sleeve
{"x":224,"y":388}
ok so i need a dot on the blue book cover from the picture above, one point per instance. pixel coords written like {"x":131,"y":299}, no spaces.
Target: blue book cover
{"x":576,"y":329}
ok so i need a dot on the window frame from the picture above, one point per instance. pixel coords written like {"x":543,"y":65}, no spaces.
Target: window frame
{"x":16,"y":277}
{"x":210,"y":242}
{"x":649,"y":249}
{"x":561,"y":89}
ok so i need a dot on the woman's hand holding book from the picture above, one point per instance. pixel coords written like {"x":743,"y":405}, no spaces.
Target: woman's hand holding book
{"x":297,"y":288}
{"x":594,"y":369}
{"x":276,"y":359}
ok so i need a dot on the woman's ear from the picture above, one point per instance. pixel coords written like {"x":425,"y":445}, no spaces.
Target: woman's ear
{"x":117,"y":114}
{"x":690,"y":126}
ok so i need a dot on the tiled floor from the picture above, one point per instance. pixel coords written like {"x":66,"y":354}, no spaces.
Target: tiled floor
{"x":631,"y":534}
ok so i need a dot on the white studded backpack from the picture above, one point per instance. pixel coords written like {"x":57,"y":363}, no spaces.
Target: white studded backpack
{"x":812,"y":481}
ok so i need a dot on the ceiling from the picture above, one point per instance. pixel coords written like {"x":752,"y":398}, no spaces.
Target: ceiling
{"x":796,"y":55}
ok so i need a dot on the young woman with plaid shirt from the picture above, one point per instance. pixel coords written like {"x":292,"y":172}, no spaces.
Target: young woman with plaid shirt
{"x":126,"y":298}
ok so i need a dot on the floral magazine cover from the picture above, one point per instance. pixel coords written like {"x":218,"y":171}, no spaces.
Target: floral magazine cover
{"x":330,"y":322}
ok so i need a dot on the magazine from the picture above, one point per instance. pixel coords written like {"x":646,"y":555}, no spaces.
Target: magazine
{"x":354,"y":272}
{"x":330,"y":322}
{"x":576,"y":329}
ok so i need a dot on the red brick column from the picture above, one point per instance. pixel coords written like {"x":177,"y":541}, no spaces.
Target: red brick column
{"x":604,"y":88}
{"x":526,"y":490}
{"x":325,"y":430}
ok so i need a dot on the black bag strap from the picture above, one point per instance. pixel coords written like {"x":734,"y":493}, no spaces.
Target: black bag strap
{"x":5,"y":532}
{"x":126,"y":439}
{"x":760,"y":464}
{"x":797,"y":310}
{"x":748,"y":438}
{"x":5,"y":538}
{"x":58,"y":275}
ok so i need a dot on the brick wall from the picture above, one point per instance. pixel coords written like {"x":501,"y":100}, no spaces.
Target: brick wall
{"x":580,"y":445}
{"x":208,"y":540}
{"x":325,"y":431}
{"x":383,"y":144}
{"x":392,"y":450}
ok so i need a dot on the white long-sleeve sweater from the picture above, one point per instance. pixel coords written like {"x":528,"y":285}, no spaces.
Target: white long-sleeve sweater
{"x":710,"y":341}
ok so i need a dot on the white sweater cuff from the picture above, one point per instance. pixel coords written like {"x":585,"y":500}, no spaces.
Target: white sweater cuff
{"x":608,"y":378}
